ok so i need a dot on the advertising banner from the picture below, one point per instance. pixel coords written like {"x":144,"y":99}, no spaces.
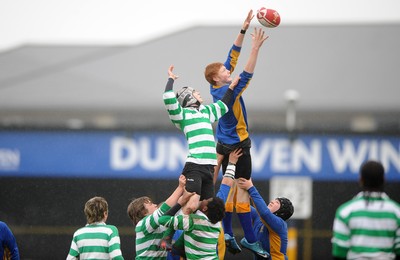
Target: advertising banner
{"x":161,"y":155}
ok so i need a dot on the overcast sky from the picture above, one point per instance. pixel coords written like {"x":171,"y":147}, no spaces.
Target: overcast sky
{"x":133,"y":21}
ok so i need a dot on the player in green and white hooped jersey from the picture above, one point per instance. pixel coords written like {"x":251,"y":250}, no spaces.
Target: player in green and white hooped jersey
{"x":187,"y":113}
{"x":145,"y":216}
{"x":202,"y":239}
{"x":96,"y":240}
{"x":368,"y":226}
{"x":201,"y":229}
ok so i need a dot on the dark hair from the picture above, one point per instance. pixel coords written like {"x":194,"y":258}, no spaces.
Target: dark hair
{"x":215,"y":210}
{"x":136,"y":209}
{"x":286,"y":210}
{"x":372,"y":176}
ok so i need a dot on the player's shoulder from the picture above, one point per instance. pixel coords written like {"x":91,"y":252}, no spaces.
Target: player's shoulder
{"x":393,"y":204}
{"x":112,"y":228}
{"x":350,"y":205}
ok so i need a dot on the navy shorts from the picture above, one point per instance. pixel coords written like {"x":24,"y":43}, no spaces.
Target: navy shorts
{"x":243,"y":165}
{"x":199,"y":179}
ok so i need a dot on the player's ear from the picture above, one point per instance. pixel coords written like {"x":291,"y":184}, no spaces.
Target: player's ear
{"x":216,"y":78}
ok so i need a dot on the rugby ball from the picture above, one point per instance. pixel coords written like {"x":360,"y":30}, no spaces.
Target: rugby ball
{"x":268,"y":17}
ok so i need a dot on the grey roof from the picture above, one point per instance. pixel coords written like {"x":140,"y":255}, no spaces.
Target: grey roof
{"x":345,"y":75}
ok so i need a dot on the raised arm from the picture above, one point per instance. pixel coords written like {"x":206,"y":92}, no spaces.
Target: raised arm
{"x":240,"y":37}
{"x":258,"y":38}
{"x":229,"y":176}
{"x":275,"y":222}
{"x":173,"y":199}
{"x":234,"y":52}
{"x":171,"y":78}
{"x":253,"y":192}
{"x":181,"y":202}
{"x":230,"y":171}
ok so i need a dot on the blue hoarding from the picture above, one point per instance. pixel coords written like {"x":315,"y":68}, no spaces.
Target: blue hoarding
{"x":162,"y":155}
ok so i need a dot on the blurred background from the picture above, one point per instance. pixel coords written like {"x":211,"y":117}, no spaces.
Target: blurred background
{"x":81,"y":111}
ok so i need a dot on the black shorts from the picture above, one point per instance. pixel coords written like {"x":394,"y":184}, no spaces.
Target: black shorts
{"x":243,"y":165}
{"x":199,"y":179}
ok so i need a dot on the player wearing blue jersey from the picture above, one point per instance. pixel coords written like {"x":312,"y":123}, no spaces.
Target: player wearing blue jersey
{"x":8,"y":244}
{"x":269,"y":221}
{"x":232,"y":131}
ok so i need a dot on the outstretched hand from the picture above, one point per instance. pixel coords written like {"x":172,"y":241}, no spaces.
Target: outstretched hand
{"x":171,"y":74}
{"x":246,"y":22}
{"x":258,"y":37}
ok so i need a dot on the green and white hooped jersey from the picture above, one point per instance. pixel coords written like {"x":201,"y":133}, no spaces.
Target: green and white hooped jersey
{"x":368,"y":226}
{"x":148,"y":235}
{"x":196,"y":124}
{"x":96,"y":241}
{"x":200,"y":235}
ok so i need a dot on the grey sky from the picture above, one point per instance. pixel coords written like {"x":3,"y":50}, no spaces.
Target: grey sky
{"x":127,"y":22}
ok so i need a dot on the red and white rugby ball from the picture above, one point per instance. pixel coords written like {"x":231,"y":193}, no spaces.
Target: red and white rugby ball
{"x":268,"y":17}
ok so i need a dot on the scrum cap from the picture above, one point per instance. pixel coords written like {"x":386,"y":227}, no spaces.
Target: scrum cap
{"x":286,"y":210}
{"x":185,"y":97}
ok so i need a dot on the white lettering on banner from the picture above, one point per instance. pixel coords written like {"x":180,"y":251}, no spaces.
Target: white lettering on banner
{"x":124,"y":153}
{"x":146,"y":160}
{"x":310,"y":157}
{"x":352,"y":157}
{"x":287,"y":156}
{"x":277,"y":155}
{"x":348,"y":156}
{"x":374,"y":149}
{"x":390,"y":155}
{"x":9,"y":159}
{"x":280,"y":156}
{"x":260,"y":153}
{"x":177,"y":153}
{"x":152,"y":154}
